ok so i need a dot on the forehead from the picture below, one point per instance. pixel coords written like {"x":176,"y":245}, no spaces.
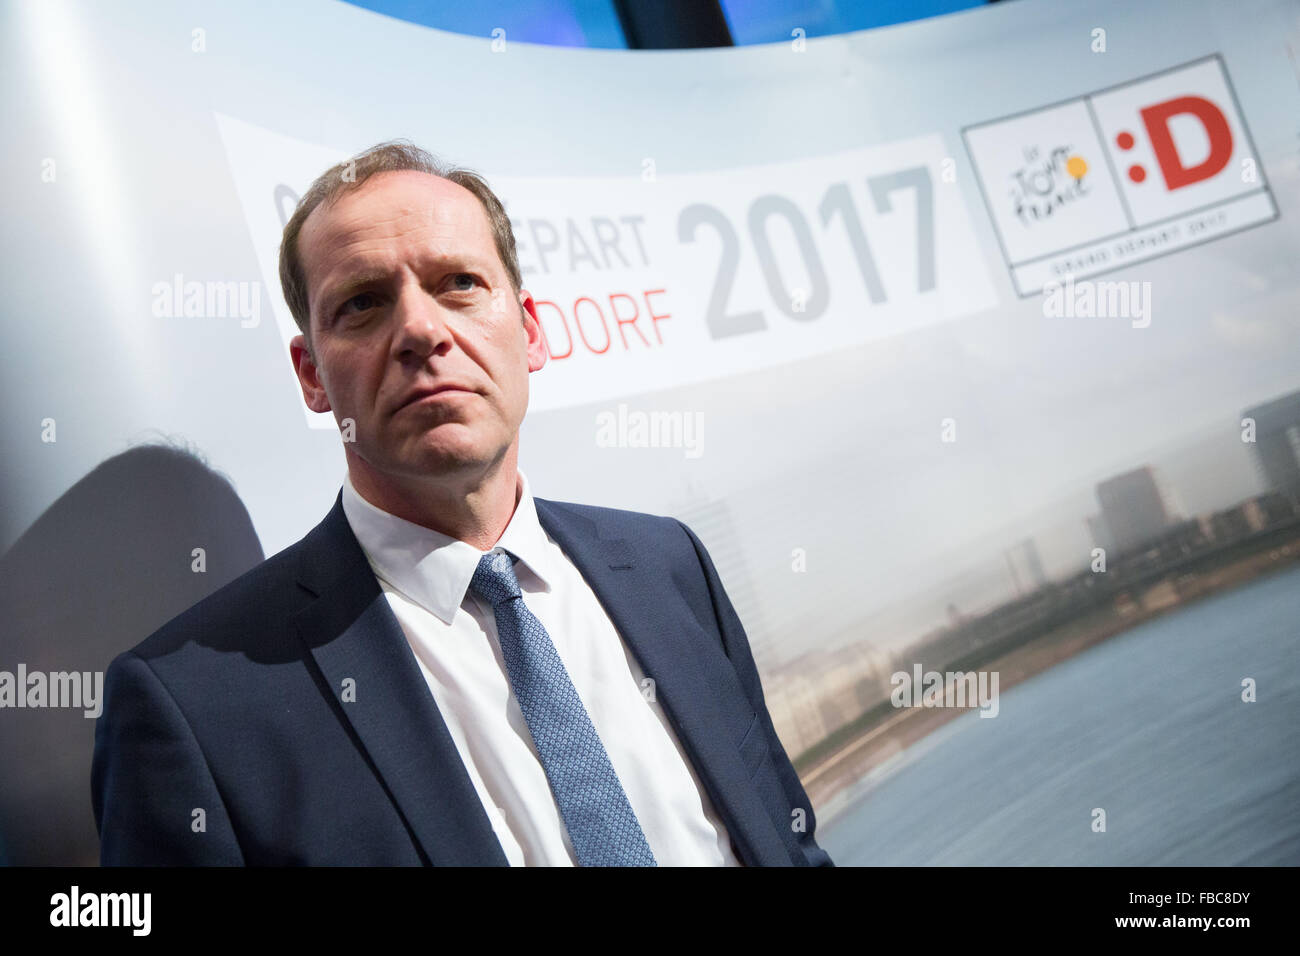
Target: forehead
{"x":389,"y":214}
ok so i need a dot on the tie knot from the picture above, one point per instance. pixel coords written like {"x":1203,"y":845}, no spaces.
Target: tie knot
{"x":494,"y":579}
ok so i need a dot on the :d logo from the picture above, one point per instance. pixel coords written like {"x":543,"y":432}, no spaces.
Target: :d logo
{"x":1156,"y":118}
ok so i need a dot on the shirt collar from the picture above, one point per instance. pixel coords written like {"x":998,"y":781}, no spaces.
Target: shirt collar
{"x":433,"y":569}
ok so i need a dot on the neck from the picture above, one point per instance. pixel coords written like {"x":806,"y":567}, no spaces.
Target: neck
{"x":474,"y":508}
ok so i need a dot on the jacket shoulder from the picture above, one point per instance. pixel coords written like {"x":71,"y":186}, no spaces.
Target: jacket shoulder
{"x":616,"y":522}
{"x":236,"y":612}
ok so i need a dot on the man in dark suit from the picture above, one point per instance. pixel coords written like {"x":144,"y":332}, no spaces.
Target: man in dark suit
{"x":446,"y":670}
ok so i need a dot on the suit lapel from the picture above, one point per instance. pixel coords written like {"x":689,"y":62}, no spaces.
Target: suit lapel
{"x":352,"y":634}
{"x":669,"y":645}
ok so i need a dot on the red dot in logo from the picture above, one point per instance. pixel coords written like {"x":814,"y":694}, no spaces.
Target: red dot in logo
{"x":1124,"y":140}
{"x":1137,"y":173}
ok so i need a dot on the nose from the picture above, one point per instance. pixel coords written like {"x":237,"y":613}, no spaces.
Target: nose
{"x":421,"y":322}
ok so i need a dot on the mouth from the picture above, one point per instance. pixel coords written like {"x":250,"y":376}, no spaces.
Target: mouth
{"x":439,"y":394}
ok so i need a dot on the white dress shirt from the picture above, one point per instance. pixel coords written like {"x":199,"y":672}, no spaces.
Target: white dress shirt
{"x":425,"y":577}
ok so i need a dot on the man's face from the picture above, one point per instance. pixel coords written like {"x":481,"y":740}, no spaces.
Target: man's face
{"x":407,"y":293}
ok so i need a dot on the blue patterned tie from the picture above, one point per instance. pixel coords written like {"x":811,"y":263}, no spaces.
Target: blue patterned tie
{"x":602,"y":827}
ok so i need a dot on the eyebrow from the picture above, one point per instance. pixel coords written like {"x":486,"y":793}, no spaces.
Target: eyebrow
{"x":341,"y":293}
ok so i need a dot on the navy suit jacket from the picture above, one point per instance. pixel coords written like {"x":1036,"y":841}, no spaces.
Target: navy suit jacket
{"x":226,"y":738}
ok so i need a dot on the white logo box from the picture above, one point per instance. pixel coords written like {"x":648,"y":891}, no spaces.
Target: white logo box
{"x":1166,"y":163}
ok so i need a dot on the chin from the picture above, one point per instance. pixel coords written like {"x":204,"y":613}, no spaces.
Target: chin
{"x":443,"y":457}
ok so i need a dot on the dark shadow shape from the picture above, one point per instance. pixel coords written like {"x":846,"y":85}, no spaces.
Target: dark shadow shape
{"x":103,"y":568}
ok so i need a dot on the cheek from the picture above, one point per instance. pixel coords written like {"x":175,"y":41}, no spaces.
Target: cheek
{"x":352,"y":385}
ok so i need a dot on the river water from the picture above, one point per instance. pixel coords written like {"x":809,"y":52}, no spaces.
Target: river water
{"x":1148,"y":726}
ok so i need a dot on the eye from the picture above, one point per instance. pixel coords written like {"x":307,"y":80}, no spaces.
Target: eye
{"x":363,"y":300}
{"x":466,"y":277}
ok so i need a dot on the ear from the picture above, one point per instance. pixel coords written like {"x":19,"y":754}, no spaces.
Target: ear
{"x":309,"y":379}
{"x":537,"y":350}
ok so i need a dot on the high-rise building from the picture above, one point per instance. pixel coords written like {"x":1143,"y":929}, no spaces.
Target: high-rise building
{"x":710,"y":519}
{"x":1025,"y":567}
{"x":1100,"y":533}
{"x":1277,"y":443}
{"x":1133,"y":508}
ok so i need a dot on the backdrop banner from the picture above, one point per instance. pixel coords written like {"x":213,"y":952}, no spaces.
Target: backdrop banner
{"x":909,"y":325}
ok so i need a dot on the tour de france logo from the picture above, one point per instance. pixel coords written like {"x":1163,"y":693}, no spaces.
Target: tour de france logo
{"x":1046,"y":183}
